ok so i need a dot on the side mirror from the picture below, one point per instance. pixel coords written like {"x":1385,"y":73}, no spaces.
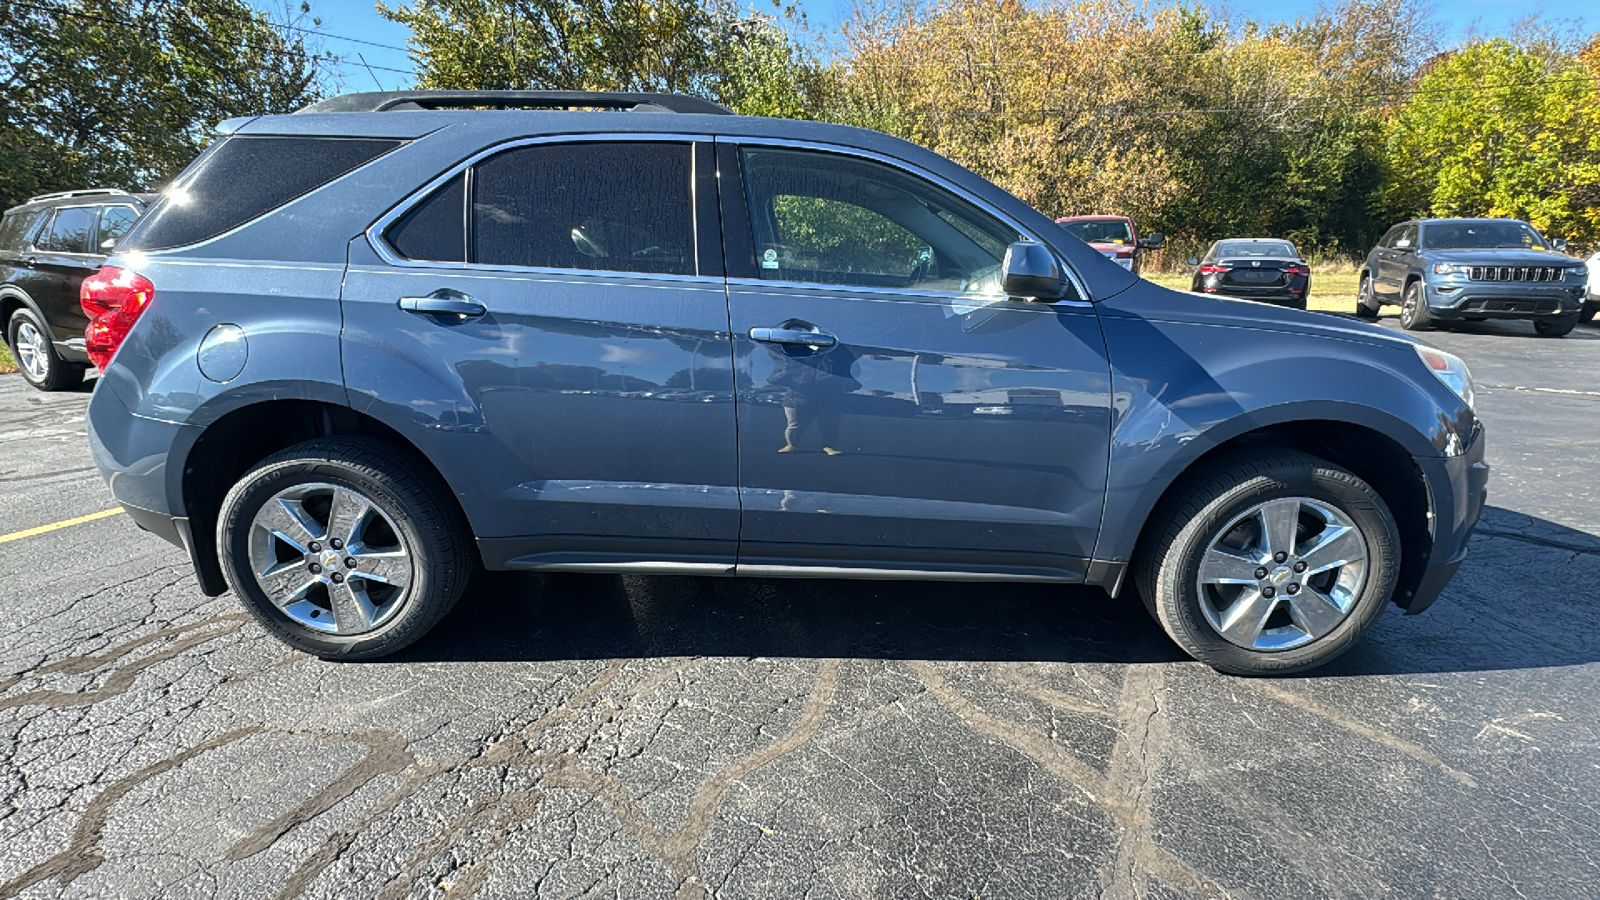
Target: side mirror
{"x":1152,"y":241}
{"x":1559,"y":245}
{"x":108,"y":243}
{"x":1030,"y":270}
{"x":1194,"y":260}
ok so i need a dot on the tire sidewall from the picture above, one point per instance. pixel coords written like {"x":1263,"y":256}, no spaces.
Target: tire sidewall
{"x":1413,"y":308}
{"x":1178,"y":596}
{"x":233,"y":526}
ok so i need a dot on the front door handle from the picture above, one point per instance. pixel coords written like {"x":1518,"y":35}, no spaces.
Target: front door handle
{"x":444,"y":304}
{"x":792,"y":336}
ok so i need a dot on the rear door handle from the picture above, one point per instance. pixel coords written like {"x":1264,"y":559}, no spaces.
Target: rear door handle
{"x":792,"y":336}
{"x":444,"y":305}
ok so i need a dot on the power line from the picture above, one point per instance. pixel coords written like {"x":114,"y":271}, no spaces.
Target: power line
{"x":62,"y":11}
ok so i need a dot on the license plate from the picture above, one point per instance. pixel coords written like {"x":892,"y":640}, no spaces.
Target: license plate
{"x":1255,"y":276}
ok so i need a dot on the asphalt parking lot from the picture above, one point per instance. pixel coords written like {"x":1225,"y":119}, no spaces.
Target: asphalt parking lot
{"x":574,"y":736}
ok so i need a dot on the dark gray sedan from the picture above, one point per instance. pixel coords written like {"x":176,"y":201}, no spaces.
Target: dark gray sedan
{"x":1451,"y":270}
{"x":1265,"y":269}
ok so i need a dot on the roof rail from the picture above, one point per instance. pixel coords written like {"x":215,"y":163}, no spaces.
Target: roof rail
{"x":375,"y":101}
{"x":90,"y":192}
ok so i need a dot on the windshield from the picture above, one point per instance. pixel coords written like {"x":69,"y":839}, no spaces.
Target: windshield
{"x":1259,"y":249}
{"x":1481,"y":236}
{"x":1101,"y":231}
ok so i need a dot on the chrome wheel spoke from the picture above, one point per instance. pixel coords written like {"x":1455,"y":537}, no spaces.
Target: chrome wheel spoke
{"x":1336,"y":546}
{"x":1244,"y":621}
{"x":1314,"y":612}
{"x":348,"y":516}
{"x":1280,"y":520}
{"x":352,"y":611}
{"x":1223,"y":566}
{"x":388,"y":567}
{"x":286,"y":583}
{"x":286,"y":520}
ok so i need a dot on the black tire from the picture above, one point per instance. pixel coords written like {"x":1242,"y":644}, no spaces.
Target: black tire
{"x":1556,"y":327}
{"x":1366,"y":304}
{"x":1586,"y":315}
{"x":426,"y":522}
{"x":1167,"y":570}
{"x":1414,"y":315}
{"x":51,"y":372}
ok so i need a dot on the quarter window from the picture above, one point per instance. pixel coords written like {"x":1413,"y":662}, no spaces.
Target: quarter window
{"x":625,"y":206}
{"x":69,"y":231}
{"x":436,"y":228}
{"x":114,"y":223}
{"x":833,"y":219}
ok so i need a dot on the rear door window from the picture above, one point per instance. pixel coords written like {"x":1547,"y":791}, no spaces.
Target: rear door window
{"x":246,"y":177}
{"x":625,"y":206}
{"x":69,"y":231}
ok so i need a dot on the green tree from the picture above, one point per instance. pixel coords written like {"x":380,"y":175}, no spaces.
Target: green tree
{"x":126,"y":92}
{"x":1498,"y":129}
{"x":703,"y":47}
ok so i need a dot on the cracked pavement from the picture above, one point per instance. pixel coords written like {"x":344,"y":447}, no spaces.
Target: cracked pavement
{"x":577,"y":735}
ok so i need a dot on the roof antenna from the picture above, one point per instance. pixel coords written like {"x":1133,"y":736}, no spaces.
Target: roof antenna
{"x":369,"y":70}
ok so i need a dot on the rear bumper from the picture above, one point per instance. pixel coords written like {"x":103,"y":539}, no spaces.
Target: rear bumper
{"x":1464,"y":299}
{"x":1457,"y":492}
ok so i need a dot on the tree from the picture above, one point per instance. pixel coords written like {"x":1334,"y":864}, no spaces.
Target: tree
{"x":702,"y":47}
{"x":1498,"y":129}
{"x":126,"y":92}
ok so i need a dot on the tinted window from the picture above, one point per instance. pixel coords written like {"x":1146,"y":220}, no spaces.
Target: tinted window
{"x":622,"y":206}
{"x":830,"y":219}
{"x":245,"y":177}
{"x":69,"y":231}
{"x":434,"y":229}
{"x":1407,"y":240}
{"x":1391,"y":236}
{"x":114,"y":223}
{"x":1481,"y":236}
{"x":1261,"y":249}
{"x":15,"y":226}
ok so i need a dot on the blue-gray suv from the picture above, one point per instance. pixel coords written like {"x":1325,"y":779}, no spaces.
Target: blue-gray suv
{"x":1470,"y":270}
{"x":359,"y":351}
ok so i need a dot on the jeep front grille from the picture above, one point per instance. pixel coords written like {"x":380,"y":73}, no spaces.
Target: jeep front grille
{"x":1515,"y":273}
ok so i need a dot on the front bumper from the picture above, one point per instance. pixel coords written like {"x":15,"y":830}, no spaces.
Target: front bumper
{"x":1458,"y":298}
{"x":1457,"y":492}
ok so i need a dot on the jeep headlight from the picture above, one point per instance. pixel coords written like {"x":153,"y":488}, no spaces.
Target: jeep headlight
{"x":1448,"y":368}
{"x":1449,"y":269}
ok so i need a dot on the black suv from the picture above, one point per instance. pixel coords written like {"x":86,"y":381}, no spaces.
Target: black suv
{"x":48,"y":245}
{"x":1453,"y":270}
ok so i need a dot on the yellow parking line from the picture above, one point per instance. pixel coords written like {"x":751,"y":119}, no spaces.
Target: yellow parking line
{"x":56,"y":526}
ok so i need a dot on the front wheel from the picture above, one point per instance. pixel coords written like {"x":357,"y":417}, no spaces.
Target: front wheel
{"x":1270,"y":563}
{"x":343,"y":547}
{"x":1556,"y":327}
{"x":1414,"y":314}
{"x":1588,"y":311}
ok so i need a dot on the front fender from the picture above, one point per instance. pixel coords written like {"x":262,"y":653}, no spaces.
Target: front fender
{"x":1183,"y":389}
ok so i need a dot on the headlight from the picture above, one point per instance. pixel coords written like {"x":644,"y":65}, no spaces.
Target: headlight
{"x":1449,"y":269}
{"x":1449,"y":368}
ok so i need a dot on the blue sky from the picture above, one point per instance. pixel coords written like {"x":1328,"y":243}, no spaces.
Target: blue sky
{"x":359,"y":19}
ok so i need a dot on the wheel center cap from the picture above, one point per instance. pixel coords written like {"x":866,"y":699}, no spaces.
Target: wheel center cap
{"x":330,"y":560}
{"x":1280,"y":574}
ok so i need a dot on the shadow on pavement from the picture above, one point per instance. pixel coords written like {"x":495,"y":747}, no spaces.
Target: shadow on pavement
{"x":1493,"y":616}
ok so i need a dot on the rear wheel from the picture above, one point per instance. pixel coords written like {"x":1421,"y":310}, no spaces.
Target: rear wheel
{"x":1556,"y":327}
{"x":1366,"y":304}
{"x":1271,"y":563}
{"x":35,"y":352}
{"x":1414,"y":309}
{"x":343,"y":548}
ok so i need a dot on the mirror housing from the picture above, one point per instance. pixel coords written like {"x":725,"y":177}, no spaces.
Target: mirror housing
{"x":1153,"y":241}
{"x":1559,"y":245}
{"x":1030,"y":271}
{"x":1193,"y":260}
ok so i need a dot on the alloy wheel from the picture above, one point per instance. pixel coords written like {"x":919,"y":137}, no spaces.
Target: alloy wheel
{"x":1282,"y":574}
{"x":33,"y":354}
{"x":330,"y":558}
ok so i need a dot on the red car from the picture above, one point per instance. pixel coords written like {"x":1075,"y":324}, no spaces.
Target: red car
{"x":1115,"y":236}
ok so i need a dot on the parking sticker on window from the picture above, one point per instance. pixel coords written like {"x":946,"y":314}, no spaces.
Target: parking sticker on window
{"x":769,"y":259}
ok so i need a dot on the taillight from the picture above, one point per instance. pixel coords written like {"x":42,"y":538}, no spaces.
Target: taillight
{"x":1213,"y":270}
{"x":113,"y":299}
{"x":1297,"y":270}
